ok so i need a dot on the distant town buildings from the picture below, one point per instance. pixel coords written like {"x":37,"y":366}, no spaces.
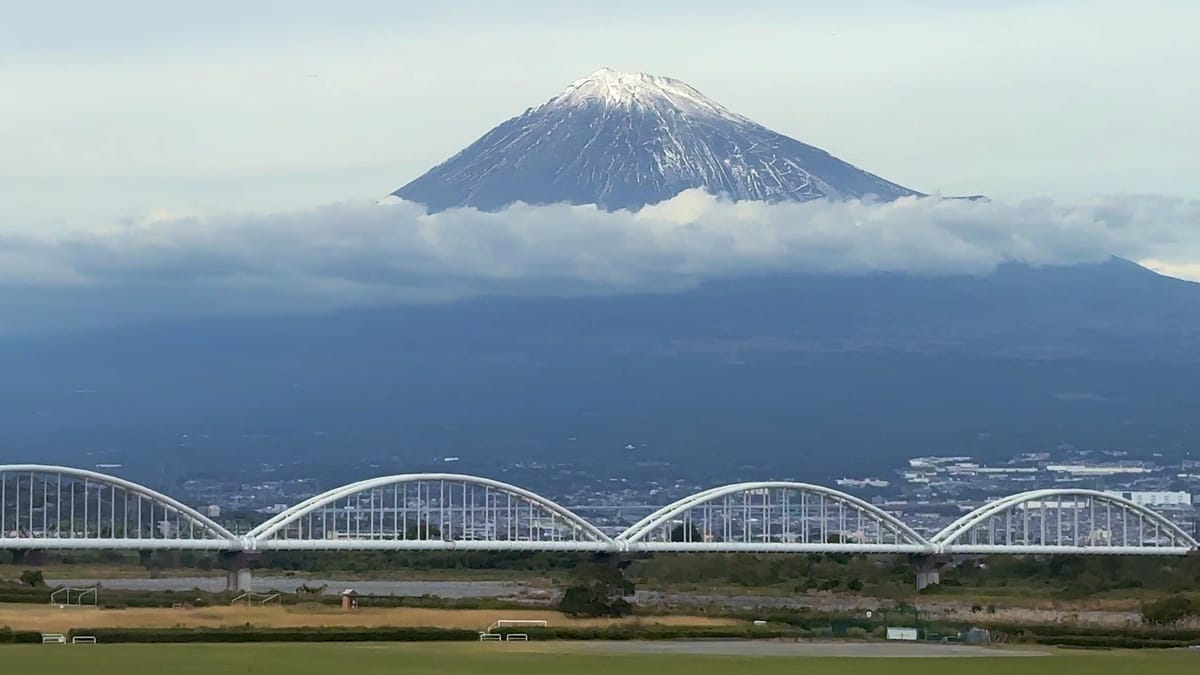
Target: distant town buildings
{"x":862,"y":483}
{"x":927,"y":492}
{"x":1107,"y":470}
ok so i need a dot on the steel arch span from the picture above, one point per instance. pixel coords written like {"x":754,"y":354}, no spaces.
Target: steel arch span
{"x":773,"y":516}
{"x":45,"y":507}
{"x":1064,"y":521}
{"x":435,"y":511}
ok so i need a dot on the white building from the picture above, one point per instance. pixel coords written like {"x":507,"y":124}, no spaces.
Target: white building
{"x":862,"y":482}
{"x":1083,"y":470}
{"x":1155,"y":498}
{"x":976,"y":470}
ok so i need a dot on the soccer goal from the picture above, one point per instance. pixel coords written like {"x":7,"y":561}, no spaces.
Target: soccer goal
{"x":68,"y":596}
{"x":251,"y":599}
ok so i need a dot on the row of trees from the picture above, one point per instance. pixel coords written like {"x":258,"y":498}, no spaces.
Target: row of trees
{"x":879,"y":575}
{"x":1080,"y":575}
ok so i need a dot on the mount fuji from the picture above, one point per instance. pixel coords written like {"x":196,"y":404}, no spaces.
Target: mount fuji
{"x":780,"y":373}
{"x":625,"y":140}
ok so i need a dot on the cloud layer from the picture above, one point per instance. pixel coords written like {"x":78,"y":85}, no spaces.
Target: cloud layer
{"x":365,"y":254}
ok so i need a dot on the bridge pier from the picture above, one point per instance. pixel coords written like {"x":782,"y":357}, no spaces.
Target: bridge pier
{"x":238,"y":573}
{"x":34,"y":557}
{"x":929,"y":569}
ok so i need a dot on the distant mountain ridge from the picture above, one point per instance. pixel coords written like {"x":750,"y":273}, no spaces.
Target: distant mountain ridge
{"x":625,"y":140}
{"x":801,"y":375}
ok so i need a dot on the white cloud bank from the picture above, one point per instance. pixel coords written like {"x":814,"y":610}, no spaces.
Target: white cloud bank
{"x":363,"y":254}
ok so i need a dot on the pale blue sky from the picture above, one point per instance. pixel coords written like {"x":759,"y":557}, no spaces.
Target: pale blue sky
{"x":122,"y":108}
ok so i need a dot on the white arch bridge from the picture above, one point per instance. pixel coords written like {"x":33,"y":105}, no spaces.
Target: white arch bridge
{"x":61,"y":508}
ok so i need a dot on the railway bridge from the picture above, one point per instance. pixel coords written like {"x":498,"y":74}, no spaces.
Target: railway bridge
{"x":50,"y":508}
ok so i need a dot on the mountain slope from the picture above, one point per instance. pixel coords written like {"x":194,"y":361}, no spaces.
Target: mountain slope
{"x":811,"y":375}
{"x":624,"y":140}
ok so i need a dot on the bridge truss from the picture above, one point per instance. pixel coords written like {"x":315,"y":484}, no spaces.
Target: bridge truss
{"x":429,"y":512}
{"x":772,"y":516}
{"x":57,"y":507}
{"x":1064,"y":521}
{"x":61,"y":508}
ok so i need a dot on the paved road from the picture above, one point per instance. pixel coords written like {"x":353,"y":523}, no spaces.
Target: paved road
{"x":445,"y":589}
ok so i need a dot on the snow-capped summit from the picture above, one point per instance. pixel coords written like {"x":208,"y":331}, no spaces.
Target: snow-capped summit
{"x":625,"y":140}
{"x":611,"y":88}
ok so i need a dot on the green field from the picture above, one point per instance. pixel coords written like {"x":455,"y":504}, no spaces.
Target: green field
{"x":539,"y":659}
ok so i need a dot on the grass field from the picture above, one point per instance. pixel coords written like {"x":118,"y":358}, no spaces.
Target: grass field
{"x":540,"y":659}
{"x":52,"y":619}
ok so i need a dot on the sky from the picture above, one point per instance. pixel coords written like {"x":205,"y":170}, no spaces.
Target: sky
{"x":133,"y":126}
{"x":128,"y":107}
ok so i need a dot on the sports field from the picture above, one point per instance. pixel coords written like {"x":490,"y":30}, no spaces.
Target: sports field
{"x":546,"y":659}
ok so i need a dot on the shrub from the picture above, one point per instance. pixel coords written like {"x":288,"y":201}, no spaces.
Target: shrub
{"x":1148,"y":632}
{"x":386,"y":634}
{"x":593,"y":600}
{"x":651,"y":632}
{"x":8,"y":635}
{"x":253,"y":634}
{"x":27,"y":637}
{"x":33,"y":578}
{"x":1169,"y":610}
{"x":1110,"y":642}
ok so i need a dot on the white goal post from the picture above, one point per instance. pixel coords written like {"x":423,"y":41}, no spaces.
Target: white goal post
{"x":68,"y":596}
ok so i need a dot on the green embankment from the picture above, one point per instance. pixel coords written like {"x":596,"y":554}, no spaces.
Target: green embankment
{"x":532,"y":659}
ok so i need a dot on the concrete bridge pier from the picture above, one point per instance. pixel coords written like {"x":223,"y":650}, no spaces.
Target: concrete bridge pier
{"x":929,"y":569}
{"x":35,"y":557}
{"x":238,"y":570}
